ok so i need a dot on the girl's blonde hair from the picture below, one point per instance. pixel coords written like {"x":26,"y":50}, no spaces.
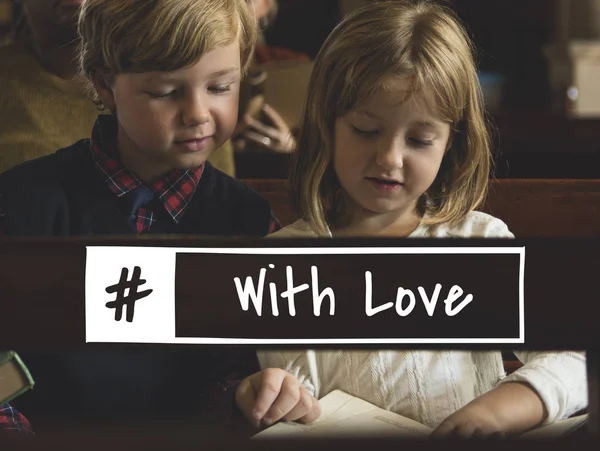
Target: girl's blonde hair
{"x":120,"y":36}
{"x":414,"y":40}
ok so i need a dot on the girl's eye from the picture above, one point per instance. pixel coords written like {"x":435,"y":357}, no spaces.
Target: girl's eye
{"x":362,"y":132}
{"x":220,"y":89}
{"x":421,"y":142}
{"x":161,"y":95}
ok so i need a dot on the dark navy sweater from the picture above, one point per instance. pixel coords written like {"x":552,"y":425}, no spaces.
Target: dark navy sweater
{"x":63,"y":194}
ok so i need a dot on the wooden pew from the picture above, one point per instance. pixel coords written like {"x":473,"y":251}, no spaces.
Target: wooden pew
{"x":546,"y":207}
{"x":530,"y":207}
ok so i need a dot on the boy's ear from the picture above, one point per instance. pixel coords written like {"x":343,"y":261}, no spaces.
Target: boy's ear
{"x":103,"y":83}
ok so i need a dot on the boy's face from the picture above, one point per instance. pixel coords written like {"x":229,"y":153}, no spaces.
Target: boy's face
{"x":170,"y":120}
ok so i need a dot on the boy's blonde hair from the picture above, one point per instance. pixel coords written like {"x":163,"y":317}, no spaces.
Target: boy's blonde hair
{"x":127,"y":36}
{"x":413,"y":40}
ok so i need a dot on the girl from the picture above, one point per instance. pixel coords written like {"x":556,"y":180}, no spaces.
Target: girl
{"x":394,"y":143}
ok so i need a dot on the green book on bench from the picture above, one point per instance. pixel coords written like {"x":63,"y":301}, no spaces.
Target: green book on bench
{"x":15,"y":378}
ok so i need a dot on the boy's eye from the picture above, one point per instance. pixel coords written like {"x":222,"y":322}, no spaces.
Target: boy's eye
{"x":361,"y":132}
{"x":161,"y":95}
{"x":220,"y":89}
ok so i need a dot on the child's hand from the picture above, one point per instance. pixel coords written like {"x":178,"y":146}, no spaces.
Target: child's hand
{"x":508,"y":409}
{"x":273,"y":394}
{"x":473,"y":420}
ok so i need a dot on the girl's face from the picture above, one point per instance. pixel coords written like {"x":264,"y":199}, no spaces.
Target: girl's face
{"x":387,"y":153}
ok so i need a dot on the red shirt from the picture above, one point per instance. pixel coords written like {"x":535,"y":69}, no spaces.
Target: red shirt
{"x":13,"y":424}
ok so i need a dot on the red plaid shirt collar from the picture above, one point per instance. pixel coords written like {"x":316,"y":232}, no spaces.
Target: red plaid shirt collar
{"x":13,"y":424}
{"x":175,"y":190}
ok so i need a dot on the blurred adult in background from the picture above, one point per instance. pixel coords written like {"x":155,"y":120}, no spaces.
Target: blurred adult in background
{"x":43,"y":107}
{"x":260,"y":124}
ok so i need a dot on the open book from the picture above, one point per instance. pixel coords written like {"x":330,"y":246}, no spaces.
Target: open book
{"x":15,"y":378}
{"x":346,"y":416}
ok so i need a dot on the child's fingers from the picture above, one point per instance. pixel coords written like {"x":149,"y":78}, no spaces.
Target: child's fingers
{"x":450,"y":429}
{"x":464,"y":430}
{"x":302,"y":407}
{"x":268,"y":388}
{"x":313,"y":412}
{"x":444,"y":429}
{"x":245,"y":398}
{"x":289,"y":396}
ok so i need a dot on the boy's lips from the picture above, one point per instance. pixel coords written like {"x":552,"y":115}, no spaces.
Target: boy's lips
{"x":194,"y":144}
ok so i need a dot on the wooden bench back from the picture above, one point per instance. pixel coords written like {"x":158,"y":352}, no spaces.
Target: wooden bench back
{"x":530,"y":207}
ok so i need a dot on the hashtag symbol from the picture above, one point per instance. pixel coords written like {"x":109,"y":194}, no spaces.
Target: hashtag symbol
{"x":132,"y":297}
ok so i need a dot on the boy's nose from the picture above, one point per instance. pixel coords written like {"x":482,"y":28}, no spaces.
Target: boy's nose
{"x":195,"y":111}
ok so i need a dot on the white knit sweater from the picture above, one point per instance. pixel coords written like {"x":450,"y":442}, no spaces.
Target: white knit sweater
{"x":428,"y":386}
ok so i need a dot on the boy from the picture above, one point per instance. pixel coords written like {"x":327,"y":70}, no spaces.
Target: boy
{"x":168,"y":72}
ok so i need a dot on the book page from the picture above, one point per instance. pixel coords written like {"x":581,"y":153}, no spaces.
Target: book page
{"x":334,"y":402}
{"x":371,"y":423}
{"x":344,"y":415}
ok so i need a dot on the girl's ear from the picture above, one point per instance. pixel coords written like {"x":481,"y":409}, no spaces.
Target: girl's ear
{"x":103,"y":85}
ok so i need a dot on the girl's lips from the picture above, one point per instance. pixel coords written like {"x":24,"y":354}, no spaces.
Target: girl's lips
{"x":384,"y":186}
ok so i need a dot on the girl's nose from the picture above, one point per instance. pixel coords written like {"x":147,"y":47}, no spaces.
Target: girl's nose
{"x":390,"y":154}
